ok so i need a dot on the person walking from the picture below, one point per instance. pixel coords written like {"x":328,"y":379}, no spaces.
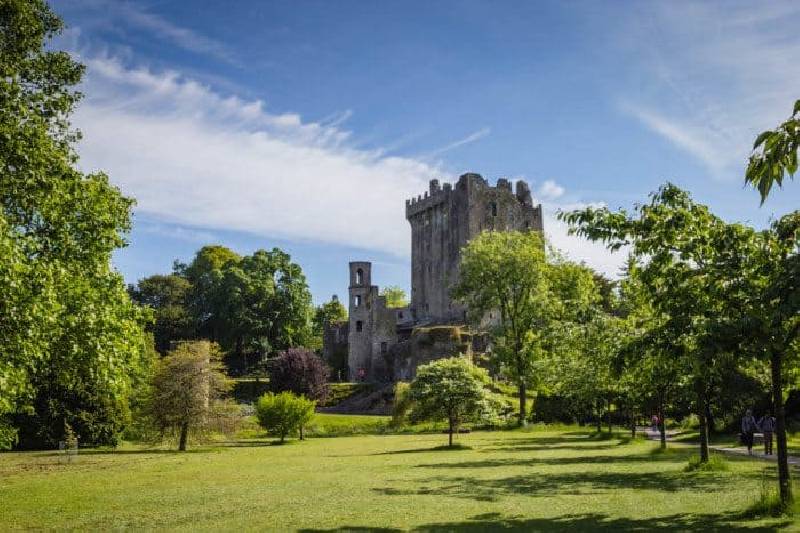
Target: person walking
{"x":767,"y":425}
{"x":749,"y":427}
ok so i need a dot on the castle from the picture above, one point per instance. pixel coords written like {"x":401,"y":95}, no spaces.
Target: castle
{"x":387,"y":344}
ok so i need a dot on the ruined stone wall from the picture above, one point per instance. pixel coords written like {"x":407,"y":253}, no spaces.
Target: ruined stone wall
{"x":372,"y":328}
{"x":443,"y":220}
{"x":427,"y":344}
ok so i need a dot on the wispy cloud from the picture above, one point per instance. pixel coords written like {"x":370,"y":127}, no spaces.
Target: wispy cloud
{"x":108,"y":13}
{"x":471,"y":138}
{"x":199,"y":159}
{"x":716,"y":75}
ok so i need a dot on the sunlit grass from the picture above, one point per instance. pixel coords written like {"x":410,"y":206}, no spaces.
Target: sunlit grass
{"x":536,"y":479}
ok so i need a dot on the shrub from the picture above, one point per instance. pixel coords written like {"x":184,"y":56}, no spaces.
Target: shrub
{"x":716,"y":463}
{"x":401,"y":407}
{"x":300,"y":371}
{"x":284,"y":413}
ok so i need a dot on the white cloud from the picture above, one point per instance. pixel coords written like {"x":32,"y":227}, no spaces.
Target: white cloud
{"x":593,"y":254}
{"x":718,"y":74}
{"x":550,"y":190}
{"x":193,"y":157}
{"x":197,"y":161}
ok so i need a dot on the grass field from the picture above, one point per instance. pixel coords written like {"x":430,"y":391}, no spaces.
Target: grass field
{"x":535,"y":480}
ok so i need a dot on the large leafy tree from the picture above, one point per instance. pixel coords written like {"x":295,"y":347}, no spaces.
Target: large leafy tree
{"x":264,"y":306}
{"x":509,"y":273}
{"x":167,"y":296}
{"x":723,"y":292}
{"x":679,"y":240}
{"x":73,"y":342}
{"x":206,"y":298}
{"x":775,"y":155}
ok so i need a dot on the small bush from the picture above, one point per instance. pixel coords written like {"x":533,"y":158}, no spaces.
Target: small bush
{"x":716,"y":463}
{"x":690,"y":422}
{"x":284,"y":413}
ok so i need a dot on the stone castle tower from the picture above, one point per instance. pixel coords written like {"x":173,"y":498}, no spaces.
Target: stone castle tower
{"x":443,"y":221}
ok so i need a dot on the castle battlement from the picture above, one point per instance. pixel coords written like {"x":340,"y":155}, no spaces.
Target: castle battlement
{"x":440,"y":193}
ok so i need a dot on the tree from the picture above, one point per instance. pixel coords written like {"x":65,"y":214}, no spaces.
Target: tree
{"x":283,"y":413}
{"x":73,"y":343}
{"x":325,"y":315}
{"x":300,"y":371}
{"x":452,"y":389}
{"x":775,"y":155}
{"x":395,"y":297}
{"x":264,"y":306}
{"x":509,"y":272}
{"x":184,"y":385}
{"x":167,"y":297}
{"x":206,"y":297}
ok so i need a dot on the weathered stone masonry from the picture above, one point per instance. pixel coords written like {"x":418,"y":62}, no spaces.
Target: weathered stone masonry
{"x":443,"y":221}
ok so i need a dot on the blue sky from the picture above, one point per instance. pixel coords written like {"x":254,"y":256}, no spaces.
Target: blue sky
{"x":305,"y":125}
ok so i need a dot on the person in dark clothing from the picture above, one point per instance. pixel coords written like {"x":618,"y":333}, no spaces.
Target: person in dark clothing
{"x":749,"y":427}
{"x":767,"y":426}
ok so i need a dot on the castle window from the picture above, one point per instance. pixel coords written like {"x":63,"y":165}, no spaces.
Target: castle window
{"x":357,"y":301}
{"x":359,"y":326}
{"x":359,"y":277}
{"x":400,"y":314}
{"x":384,"y":347}
{"x":494,"y":209}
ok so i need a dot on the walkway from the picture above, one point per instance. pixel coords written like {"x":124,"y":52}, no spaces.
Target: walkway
{"x":758,"y":452}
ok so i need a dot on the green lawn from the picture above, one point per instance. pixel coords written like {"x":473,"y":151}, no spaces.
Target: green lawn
{"x":535,"y":480}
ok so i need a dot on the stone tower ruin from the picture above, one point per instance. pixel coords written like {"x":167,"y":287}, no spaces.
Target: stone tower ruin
{"x":443,"y":221}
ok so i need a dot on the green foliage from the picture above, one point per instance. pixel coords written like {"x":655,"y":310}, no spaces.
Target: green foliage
{"x":395,"y":296}
{"x":450,"y":389}
{"x":325,"y":315}
{"x":73,"y":343}
{"x":715,"y":463}
{"x":775,"y":155}
{"x":185,"y":384}
{"x":284,"y":413}
{"x":167,"y":297}
{"x":509,"y":272}
{"x":402,"y":405}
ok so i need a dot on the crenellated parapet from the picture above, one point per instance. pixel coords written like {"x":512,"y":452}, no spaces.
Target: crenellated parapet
{"x":439,"y":193}
{"x":435,"y":195}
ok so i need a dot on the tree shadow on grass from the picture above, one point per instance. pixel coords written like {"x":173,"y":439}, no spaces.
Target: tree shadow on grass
{"x":443,"y":448}
{"x":569,"y":483}
{"x":727,"y":522}
{"x":585,"y":459}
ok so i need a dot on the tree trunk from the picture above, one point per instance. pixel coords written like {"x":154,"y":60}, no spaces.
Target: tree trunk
{"x":523,"y":400}
{"x":701,"y":414}
{"x":598,"y":419}
{"x":184,"y":436}
{"x":785,"y":487}
{"x":633,"y":424}
{"x":450,"y":436}
{"x":608,"y":415}
{"x":301,"y":432}
{"x":662,"y":426}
